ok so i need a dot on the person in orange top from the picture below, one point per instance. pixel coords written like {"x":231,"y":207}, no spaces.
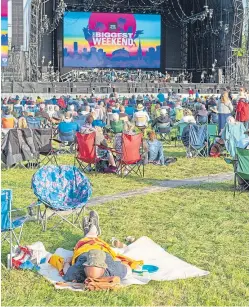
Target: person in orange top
{"x":94,"y":258}
{"x":8,"y":120}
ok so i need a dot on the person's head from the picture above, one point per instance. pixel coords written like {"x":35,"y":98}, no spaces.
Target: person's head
{"x":158,"y":105}
{"x":7,"y":112}
{"x":151,"y":135}
{"x":22,"y":123}
{"x":87,"y":109}
{"x":163,"y":112}
{"x":67,"y":117}
{"x":50,"y":108}
{"x":117,"y":105}
{"x":203,"y":108}
{"x":71,"y":108}
{"x":95,"y":264}
{"x":89,"y":119}
{"x":187,"y":112}
{"x":140,"y":107}
{"x":57,"y":108}
{"x":225,"y":97}
{"x":122,"y":109}
{"x":42,"y":107}
{"x":231,"y":120}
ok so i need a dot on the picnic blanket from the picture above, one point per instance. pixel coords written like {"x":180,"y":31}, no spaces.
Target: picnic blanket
{"x":170,"y":267}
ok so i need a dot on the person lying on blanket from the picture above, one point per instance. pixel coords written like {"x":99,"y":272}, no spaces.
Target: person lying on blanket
{"x":92,"y":257}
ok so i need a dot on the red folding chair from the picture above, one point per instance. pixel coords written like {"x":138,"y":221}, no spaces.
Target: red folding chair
{"x":131,"y":158}
{"x":86,"y":150}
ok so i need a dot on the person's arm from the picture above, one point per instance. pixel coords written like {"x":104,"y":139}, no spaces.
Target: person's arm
{"x":230,"y":106}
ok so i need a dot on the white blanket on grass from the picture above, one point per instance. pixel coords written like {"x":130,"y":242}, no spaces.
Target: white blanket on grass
{"x":170,"y":267}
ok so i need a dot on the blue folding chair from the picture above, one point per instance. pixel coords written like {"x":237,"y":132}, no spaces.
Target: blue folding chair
{"x":34,"y":122}
{"x":198,"y":140}
{"x":8,"y":224}
{"x":61,"y":189}
{"x":129,"y":111}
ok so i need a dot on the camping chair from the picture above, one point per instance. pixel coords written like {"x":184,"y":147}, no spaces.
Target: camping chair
{"x":34,"y":122}
{"x":131,"y":159}
{"x":164,"y":130}
{"x":85,"y":150}
{"x":66,"y":141}
{"x":43,"y":139}
{"x":231,"y":134}
{"x":212,"y":132}
{"x":80,"y":120}
{"x":60,"y":189}
{"x":241,"y":169}
{"x":197,"y":140}
{"x":179,"y":130}
{"x":9,"y":225}
{"x":18,"y":110}
{"x":117,"y":126}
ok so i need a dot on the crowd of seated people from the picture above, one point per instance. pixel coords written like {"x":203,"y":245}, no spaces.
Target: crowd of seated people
{"x":116,"y":114}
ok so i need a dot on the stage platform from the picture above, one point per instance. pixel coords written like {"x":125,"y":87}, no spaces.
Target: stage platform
{"x":77,"y":88}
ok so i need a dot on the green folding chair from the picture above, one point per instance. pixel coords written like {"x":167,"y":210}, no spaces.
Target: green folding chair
{"x":241,"y":170}
{"x":212,"y":132}
{"x":117,"y":127}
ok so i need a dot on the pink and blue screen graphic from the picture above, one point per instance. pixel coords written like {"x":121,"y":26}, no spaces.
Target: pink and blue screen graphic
{"x":4,"y":32}
{"x":112,"y":40}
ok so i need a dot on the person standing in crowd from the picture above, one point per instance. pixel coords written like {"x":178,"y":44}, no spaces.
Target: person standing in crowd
{"x":225,"y":109}
{"x":242,"y":110}
{"x":161,"y":96}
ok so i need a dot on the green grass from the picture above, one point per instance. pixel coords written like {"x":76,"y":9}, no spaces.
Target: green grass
{"x":203,"y":225}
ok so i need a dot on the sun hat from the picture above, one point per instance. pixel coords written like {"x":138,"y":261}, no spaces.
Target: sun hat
{"x":140,"y":107}
{"x":96,"y":258}
{"x":214,"y":109}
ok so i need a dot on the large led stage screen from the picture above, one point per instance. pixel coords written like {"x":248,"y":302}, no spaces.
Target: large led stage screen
{"x":113,"y":40}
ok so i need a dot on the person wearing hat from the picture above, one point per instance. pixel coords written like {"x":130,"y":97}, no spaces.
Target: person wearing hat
{"x":94,"y":258}
{"x":141,"y":117}
{"x":243,"y":143}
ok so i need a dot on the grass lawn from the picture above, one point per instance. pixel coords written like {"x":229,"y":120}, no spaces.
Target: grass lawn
{"x":204,"y":226}
{"x":107,"y":184}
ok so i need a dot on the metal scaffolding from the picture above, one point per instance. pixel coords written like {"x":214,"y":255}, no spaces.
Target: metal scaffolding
{"x":234,"y":65}
{"x":35,"y":38}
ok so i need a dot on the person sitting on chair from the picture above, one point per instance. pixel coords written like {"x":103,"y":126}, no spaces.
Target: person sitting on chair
{"x":122,"y":115}
{"x":213,"y":115}
{"x":188,"y":117}
{"x":162,"y":120}
{"x":42,"y":113}
{"x":202,"y":115}
{"x":67,"y":124}
{"x":94,"y":258}
{"x":8,"y":120}
{"x":141,"y":117}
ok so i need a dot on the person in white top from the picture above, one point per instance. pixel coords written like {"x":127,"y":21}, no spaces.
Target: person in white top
{"x":188,"y":117}
{"x":141,"y":117}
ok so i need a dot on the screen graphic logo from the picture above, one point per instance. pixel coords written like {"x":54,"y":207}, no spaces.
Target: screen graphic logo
{"x":112,"y":40}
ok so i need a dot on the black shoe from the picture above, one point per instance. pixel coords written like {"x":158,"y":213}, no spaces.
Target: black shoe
{"x":85,"y":225}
